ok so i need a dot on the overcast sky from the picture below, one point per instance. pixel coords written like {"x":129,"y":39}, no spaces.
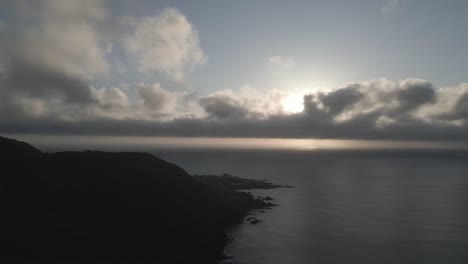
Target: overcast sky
{"x":367,"y":69}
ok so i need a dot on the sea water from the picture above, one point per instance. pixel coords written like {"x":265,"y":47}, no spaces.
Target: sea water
{"x":348,"y":207}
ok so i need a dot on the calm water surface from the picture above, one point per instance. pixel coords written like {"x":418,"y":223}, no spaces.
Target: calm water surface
{"x":349,"y":207}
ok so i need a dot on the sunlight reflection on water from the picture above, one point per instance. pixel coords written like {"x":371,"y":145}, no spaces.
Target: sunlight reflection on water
{"x":126,"y":142}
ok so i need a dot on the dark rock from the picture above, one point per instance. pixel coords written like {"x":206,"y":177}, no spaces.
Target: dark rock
{"x":256,"y":221}
{"x":227,"y":181}
{"x":233,"y":188}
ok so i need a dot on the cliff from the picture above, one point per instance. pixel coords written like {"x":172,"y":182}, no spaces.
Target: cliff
{"x":105,"y":207}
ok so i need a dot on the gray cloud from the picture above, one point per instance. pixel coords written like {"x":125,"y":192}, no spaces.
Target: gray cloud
{"x":155,"y":98}
{"x":79,"y":38}
{"x":460,"y":110}
{"x":413,"y":94}
{"x":222,"y":106}
{"x":54,"y":49}
{"x":293,"y":126}
{"x":112,"y":98}
{"x":313,"y":112}
{"x":246,"y":103}
{"x":66,"y":36}
{"x":338,"y":100}
{"x":165,"y":43}
{"x":30,"y":80}
{"x":30,"y":90}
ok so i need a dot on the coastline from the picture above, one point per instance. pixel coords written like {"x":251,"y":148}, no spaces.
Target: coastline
{"x":236,"y":190}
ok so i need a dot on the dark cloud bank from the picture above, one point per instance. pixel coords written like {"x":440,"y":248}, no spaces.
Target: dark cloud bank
{"x":320,"y":119}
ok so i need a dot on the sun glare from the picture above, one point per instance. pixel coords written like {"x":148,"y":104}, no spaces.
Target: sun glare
{"x":293,"y":103}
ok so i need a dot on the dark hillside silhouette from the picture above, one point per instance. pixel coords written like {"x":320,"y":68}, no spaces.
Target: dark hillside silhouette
{"x":14,"y":148}
{"x":97,"y":206}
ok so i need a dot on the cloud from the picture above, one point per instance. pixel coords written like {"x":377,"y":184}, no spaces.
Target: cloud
{"x":34,"y":90}
{"x":389,"y":6}
{"x":458,"y":111}
{"x":52,"y":51}
{"x":313,"y":112}
{"x":41,"y":100}
{"x":247,"y":103}
{"x":113,"y":98}
{"x":156,"y":99}
{"x":32,"y":93}
{"x":413,"y":94}
{"x":165,"y":43}
{"x":62,"y":35}
{"x":222,"y":106}
{"x":86,"y":39}
{"x":386,"y":100}
{"x":461,"y":107}
{"x":338,"y":100}
{"x":32,"y":80}
{"x":282,"y":62}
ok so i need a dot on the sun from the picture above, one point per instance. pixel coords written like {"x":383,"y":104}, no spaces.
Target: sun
{"x":293,"y":103}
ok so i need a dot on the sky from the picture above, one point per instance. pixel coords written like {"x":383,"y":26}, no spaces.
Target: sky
{"x":364,"y":69}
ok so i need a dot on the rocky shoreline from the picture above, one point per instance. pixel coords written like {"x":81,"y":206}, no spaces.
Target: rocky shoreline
{"x":235,"y":190}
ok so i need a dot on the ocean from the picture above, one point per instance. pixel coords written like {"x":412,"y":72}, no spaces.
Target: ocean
{"x":348,"y":207}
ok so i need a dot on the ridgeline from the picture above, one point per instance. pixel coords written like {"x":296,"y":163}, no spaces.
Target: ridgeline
{"x":100,"y":207}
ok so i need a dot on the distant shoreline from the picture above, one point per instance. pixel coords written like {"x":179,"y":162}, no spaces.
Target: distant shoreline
{"x":233,"y":189}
